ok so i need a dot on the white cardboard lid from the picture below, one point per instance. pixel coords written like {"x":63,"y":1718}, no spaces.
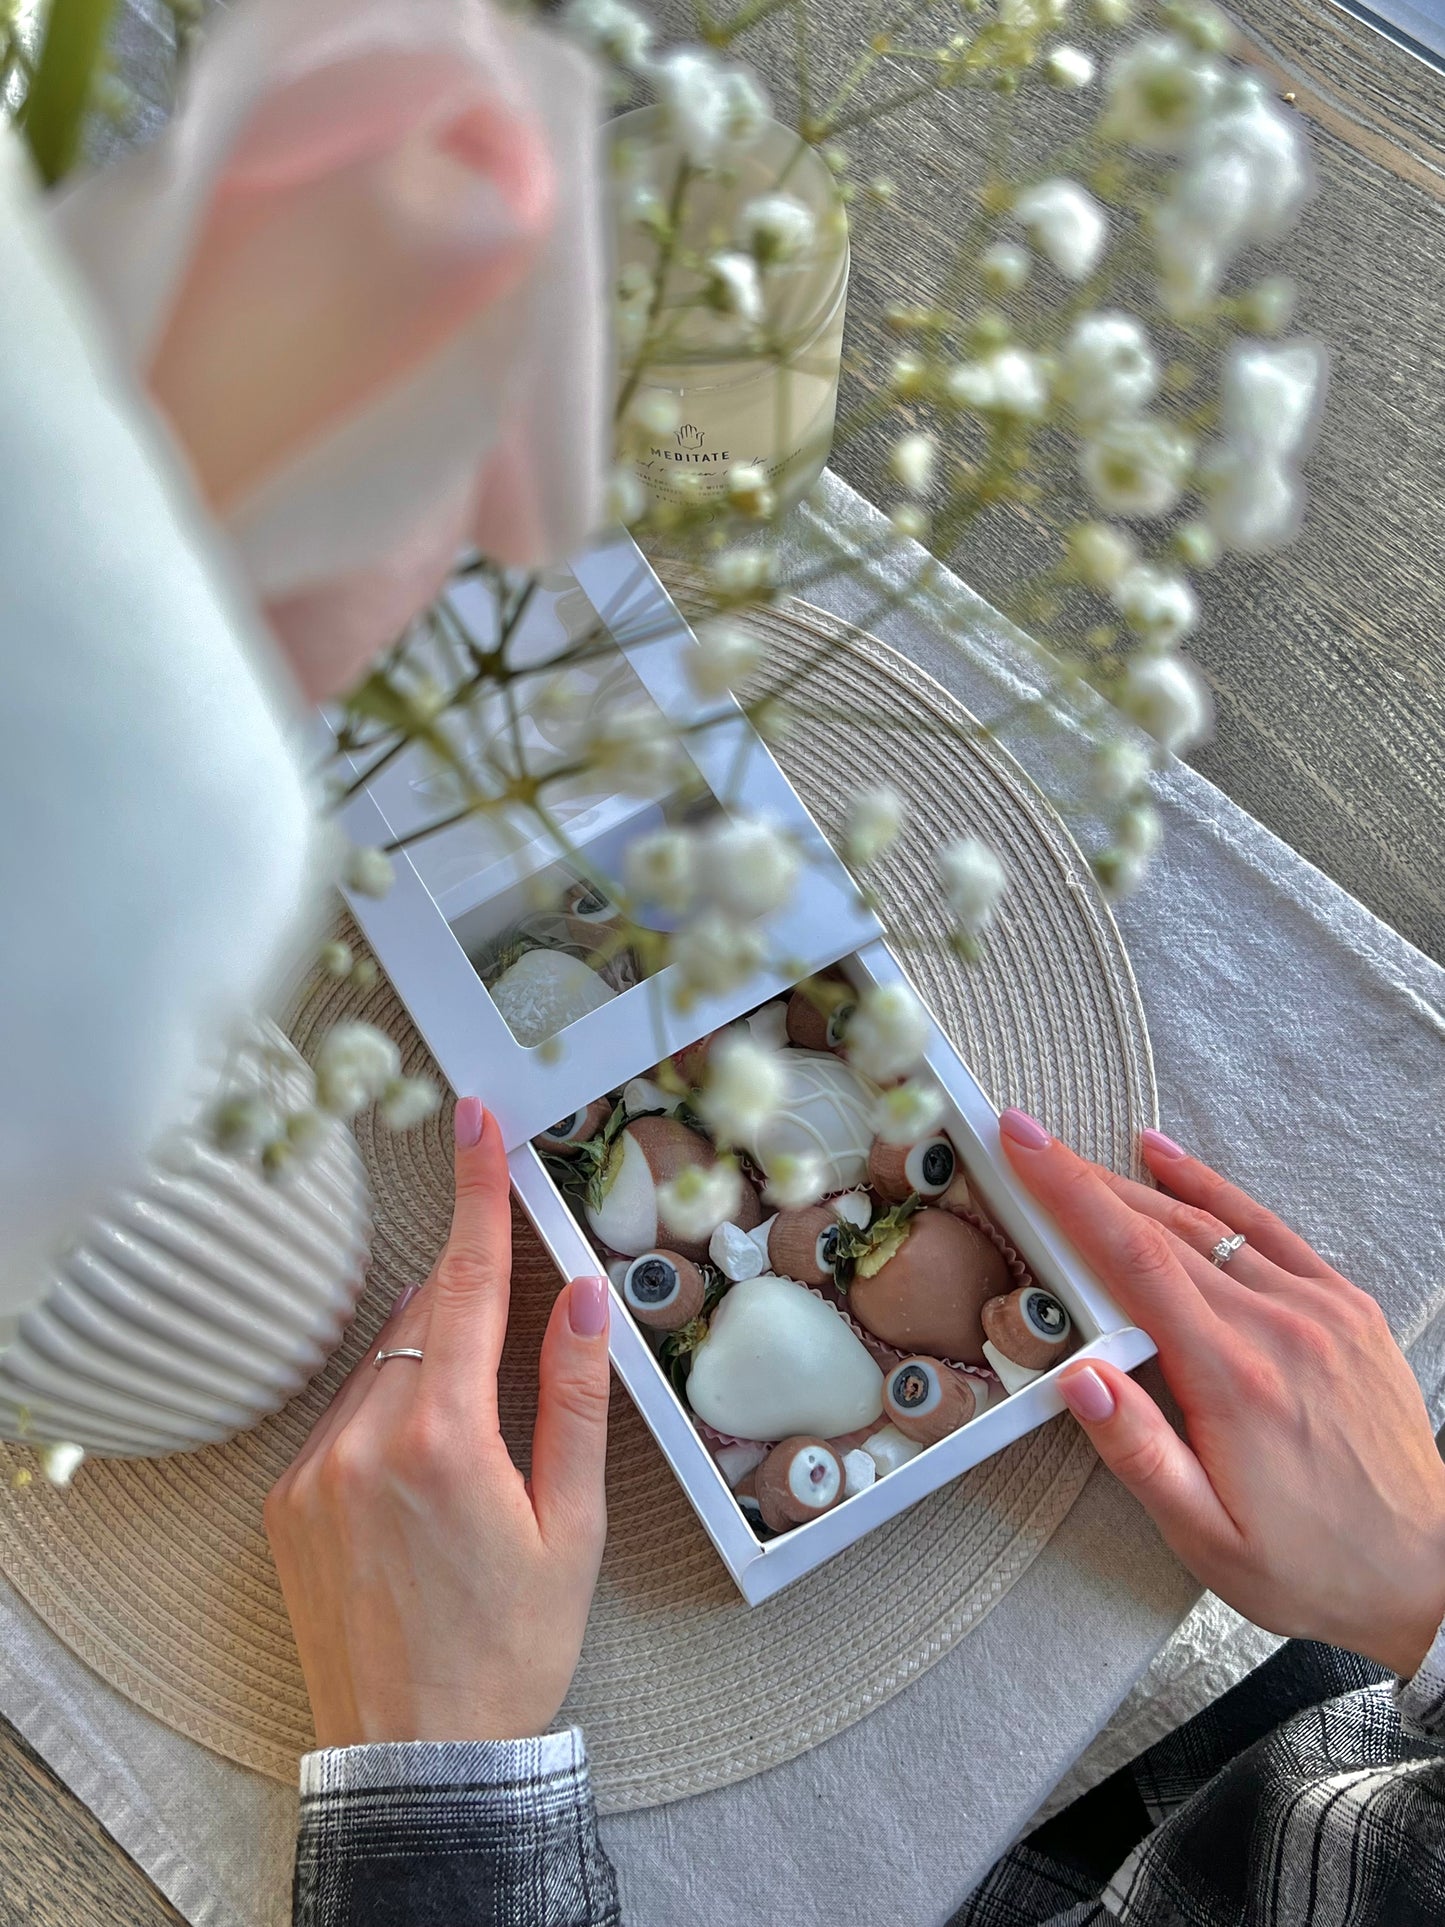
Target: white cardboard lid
{"x":528,"y":1088}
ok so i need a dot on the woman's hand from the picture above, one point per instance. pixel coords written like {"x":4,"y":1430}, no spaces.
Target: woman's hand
{"x":1310,"y":1493}
{"x":434,"y":1593}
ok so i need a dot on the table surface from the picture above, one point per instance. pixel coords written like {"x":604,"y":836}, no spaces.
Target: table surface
{"x":1327,"y":663}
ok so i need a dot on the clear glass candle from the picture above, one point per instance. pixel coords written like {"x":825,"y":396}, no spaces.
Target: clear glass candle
{"x":731,"y":393}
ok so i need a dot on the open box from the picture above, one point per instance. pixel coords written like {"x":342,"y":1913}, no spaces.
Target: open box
{"x":457,"y":894}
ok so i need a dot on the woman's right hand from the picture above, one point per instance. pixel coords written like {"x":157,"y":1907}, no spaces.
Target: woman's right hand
{"x":1308,"y":1491}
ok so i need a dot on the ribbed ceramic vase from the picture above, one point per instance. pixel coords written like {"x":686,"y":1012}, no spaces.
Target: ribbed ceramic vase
{"x":203,"y":1298}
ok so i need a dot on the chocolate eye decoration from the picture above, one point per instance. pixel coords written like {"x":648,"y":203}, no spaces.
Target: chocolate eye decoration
{"x":803,"y":1244}
{"x":1045,"y":1316}
{"x":564,"y":1137}
{"x":663,"y":1290}
{"x":927,"y":1167}
{"x":927,"y":1401}
{"x":799,"y":1480}
{"x":818,"y":1018}
{"x":1026,"y":1332}
{"x":589,"y":904}
{"x":827,"y":1250}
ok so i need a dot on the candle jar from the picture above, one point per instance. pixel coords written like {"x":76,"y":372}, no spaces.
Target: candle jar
{"x":706,"y":391}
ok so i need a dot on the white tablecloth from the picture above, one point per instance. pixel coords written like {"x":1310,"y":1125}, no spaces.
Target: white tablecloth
{"x":1300,"y":1044}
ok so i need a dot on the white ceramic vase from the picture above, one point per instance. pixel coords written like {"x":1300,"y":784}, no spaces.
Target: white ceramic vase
{"x":200,"y":1300}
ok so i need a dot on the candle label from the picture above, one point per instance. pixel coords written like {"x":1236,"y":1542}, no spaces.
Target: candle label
{"x":707,"y":458}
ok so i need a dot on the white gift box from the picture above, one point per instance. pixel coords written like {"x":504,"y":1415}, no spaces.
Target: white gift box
{"x":458,"y":893}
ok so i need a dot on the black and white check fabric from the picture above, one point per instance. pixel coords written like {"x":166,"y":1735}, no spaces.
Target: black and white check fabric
{"x":494,"y":1834}
{"x":1313,"y":1795}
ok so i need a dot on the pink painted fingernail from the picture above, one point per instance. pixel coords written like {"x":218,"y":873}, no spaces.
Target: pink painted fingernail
{"x":1087,"y":1396}
{"x":1023,"y":1129}
{"x":587,"y":1306}
{"x":1165,"y":1146}
{"x":401,"y":1301}
{"x":467,"y":1122}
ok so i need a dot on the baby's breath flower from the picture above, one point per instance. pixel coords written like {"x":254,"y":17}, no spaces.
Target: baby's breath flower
{"x":1196,"y":545}
{"x":1004,"y":267}
{"x":1268,"y":307}
{"x":1098,"y":553}
{"x":626,"y":497}
{"x":888,"y":1032}
{"x":743,"y":1088}
{"x":795,"y":1179}
{"x":912,"y":460}
{"x":1112,"y":13}
{"x":708,"y":107}
{"x":909,"y":375}
{"x":1202,"y":25}
{"x":747,"y":865}
{"x":749,"y":490}
{"x":1068,"y":67}
{"x":1108,"y":367}
{"x":1270,"y":396}
{"x":306,"y":1130}
{"x":1157,"y":604}
{"x":716,"y":953}
{"x":910,"y":521}
{"x":634,"y":745}
{"x":732,"y":286}
{"x":656,"y":412}
{"x":745,"y":107}
{"x":61,"y":1461}
{"x":611,"y":28}
{"x":407,"y":1101}
{"x":907,"y":1112}
{"x":1242,"y":183}
{"x":1065,"y":223}
{"x":1159,"y":93}
{"x":700,"y":1198}
{"x":1010,"y":382}
{"x":244,"y":1125}
{"x":973,"y":882}
{"x":661,"y":868}
{"x":738,"y":574}
{"x":1140,"y":830}
{"x":335,"y":959}
{"x":354,"y":1065}
{"x":1136,"y":466}
{"x":1166,"y":697}
{"x":370,"y":873}
{"x":726,"y":654}
{"x":1120,"y":872}
{"x":875,"y":817}
{"x":776,"y":228}
{"x":1118,"y":770}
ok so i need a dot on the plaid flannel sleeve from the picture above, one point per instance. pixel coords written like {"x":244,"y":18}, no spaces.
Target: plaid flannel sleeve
{"x":452,"y":1834}
{"x":1422,"y":1699}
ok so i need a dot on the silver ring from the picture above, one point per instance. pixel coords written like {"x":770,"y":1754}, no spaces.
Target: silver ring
{"x":401,"y":1351}
{"x":1226,"y":1248}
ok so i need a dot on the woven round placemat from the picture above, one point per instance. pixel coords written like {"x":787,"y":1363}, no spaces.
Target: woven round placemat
{"x":156,"y":1571}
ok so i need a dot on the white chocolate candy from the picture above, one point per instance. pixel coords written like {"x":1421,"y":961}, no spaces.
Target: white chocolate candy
{"x":888,"y":1449}
{"x":859,"y":1472}
{"x":855,"y":1208}
{"x":546,"y":990}
{"x":769,"y":1025}
{"x":737,"y":1253}
{"x":1014,"y":1377}
{"x":640,"y":1096}
{"x":778,"y":1362}
{"x":736,"y":1461}
{"x":826,"y":1113}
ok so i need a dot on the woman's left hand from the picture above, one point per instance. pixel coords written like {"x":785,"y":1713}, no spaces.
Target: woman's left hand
{"x":436,"y":1594}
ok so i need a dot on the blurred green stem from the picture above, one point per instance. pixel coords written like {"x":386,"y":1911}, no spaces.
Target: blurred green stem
{"x":65,"y":75}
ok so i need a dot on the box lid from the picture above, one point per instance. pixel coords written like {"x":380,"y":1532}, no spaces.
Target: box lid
{"x":456,"y":889}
